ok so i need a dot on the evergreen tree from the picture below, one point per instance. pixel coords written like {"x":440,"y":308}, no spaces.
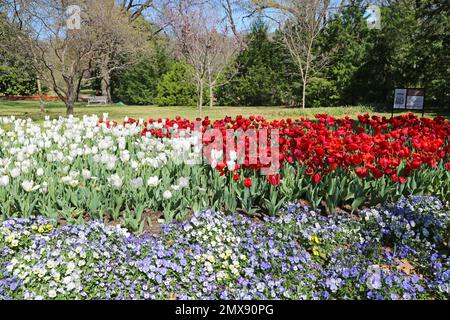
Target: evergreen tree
{"x":17,"y":76}
{"x":261,"y":77}
{"x":176,"y":87}
{"x":139,"y":83}
{"x":347,"y":34}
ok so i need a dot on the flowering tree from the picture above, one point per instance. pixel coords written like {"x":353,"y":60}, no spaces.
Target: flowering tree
{"x":204,"y":39}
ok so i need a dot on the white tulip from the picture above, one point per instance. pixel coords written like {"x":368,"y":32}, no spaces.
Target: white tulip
{"x":97,"y":158}
{"x":125,"y":156}
{"x":74,"y":173}
{"x":231,"y":165}
{"x":86,"y":174}
{"x":137,"y":183}
{"x":40,"y":172}
{"x":29,"y":186}
{"x":44,"y":188}
{"x":66,"y":179}
{"x":167,"y":195}
{"x":20,"y":157}
{"x":110,"y":165}
{"x":153,"y":181}
{"x":4,"y":181}
{"x":116,"y":181}
{"x":15,"y":172}
{"x":73,"y":183}
{"x":134,"y":164}
{"x":183,"y":182}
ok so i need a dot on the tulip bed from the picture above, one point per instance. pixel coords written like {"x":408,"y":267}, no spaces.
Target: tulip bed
{"x":92,"y":168}
{"x":396,"y":251}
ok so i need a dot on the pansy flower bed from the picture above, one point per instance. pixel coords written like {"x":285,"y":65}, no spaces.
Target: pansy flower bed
{"x":301,"y":254}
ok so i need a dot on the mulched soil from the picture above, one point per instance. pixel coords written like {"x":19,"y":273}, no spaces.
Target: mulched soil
{"x":153,"y":226}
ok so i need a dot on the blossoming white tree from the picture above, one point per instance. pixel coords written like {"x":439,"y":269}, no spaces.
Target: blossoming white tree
{"x":205,"y":39}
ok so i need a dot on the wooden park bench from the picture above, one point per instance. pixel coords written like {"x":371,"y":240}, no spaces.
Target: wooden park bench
{"x":97,"y":100}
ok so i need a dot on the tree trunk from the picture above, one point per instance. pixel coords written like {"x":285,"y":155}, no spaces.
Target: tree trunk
{"x":41,"y":102}
{"x":69,"y":108}
{"x":211,"y":96}
{"x":70,"y":102}
{"x":106,"y":79}
{"x":200,"y":98}
{"x":304,"y":95}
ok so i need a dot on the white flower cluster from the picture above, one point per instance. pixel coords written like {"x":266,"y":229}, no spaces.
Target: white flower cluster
{"x":27,"y":146}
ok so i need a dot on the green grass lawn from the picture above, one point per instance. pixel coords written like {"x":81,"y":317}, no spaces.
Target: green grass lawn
{"x":54,"y":109}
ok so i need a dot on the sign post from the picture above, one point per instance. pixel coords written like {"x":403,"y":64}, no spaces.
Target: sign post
{"x":411,"y":99}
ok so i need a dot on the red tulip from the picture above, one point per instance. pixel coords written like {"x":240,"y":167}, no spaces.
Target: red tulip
{"x":248,"y":182}
{"x":375,"y":145}
{"x":361,"y":172}
{"x":274,"y":179}
{"x":316,"y":178}
{"x":402,"y":179}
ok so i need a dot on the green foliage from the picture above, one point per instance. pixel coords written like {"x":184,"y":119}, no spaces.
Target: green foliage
{"x":16,"y":75}
{"x":411,"y":50}
{"x":321,"y":92}
{"x":176,"y":87}
{"x":348,"y":36}
{"x":261,"y":75}
{"x":433,"y":45}
{"x":17,"y":79}
{"x":138,"y":84}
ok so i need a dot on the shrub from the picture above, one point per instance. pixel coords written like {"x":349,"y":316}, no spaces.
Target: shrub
{"x":176,"y":87}
{"x":17,"y":80}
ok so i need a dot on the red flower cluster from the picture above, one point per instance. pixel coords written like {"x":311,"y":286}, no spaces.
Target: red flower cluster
{"x":369,"y":146}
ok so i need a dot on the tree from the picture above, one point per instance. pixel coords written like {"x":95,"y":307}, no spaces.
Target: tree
{"x":135,"y":8}
{"x":16,"y":79}
{"x":202,"y":41}
{"x":432,"y":46}
{"x":62,"y":53}
{"x":61,"y":57}
{"x":17,"y":76}
{"x":222,"y":51}
{"x":262,"y":74}
{"x":301,"y":23}
{"x":138,"y":83}
{"x":123,"y":34}
{"x":348,"y":35}
{"x":176,"y":89}
{"x":225,"y":43}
